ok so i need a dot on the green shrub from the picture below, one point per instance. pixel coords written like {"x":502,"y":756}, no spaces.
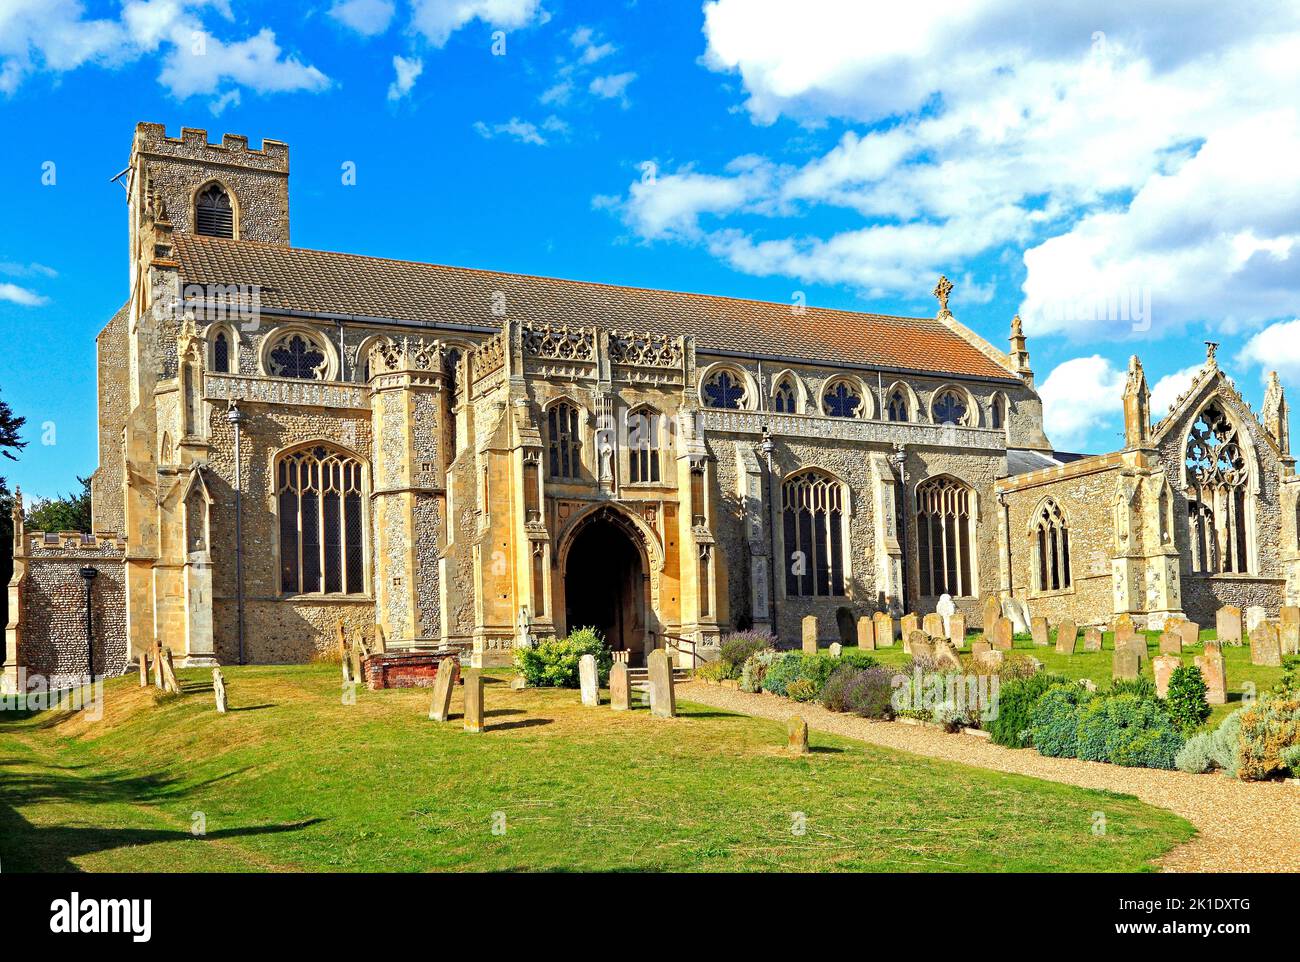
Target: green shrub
{"x":866,"y":692}
{"x":1185,"y":700}
{"x":1141,"y":686}
{"x":712,"y":671}
{"x":739,"y":646}
{"x":858,"y":659}
{"x":1054,"y":728}
{"x":1210,"y":750}
{"x":1016,"y":700}
{"x":553,"y":662}
{"x":1128,"y":730}
{"x":1291,"y":758}
{"x":1197,"y":755}
{"x":783,"y":670}
{"x":802,"y":689}
{"x":1268,"y":727}
{"x":794,"y":666}
{"x":755,"y":669}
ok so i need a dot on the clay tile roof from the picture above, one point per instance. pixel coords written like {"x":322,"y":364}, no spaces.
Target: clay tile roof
{"x":297,"y":279}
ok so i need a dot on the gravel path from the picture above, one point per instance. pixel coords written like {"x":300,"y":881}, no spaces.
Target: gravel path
{"x":1242,"y":826}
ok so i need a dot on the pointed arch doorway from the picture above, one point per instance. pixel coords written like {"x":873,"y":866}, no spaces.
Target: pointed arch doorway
{"x":606,"y":583}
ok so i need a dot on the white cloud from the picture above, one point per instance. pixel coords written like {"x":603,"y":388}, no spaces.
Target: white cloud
{"x":558,"y":93}
{"x":1167,"y":390}
{"x":670,"y":205}
{"x":523,"y":131}
{"x":612,"y":86}
{"x":199,"y":63}
{"x":20,"y":295}
{"x":407,"y":70}
{"x":589,"y":50}
{"x":27,"y":270}
{"x":367,"y":17}
{"x":1276,"y":348}
{"x":1080,"y":396}
{"x":437,"y":20}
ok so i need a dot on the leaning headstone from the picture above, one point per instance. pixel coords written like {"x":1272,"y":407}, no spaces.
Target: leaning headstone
{"x":1227,"y":625}
{"x":1038,"y":631}
{"x":885,"y":630}
{"x":918,"y":646}
{"x":1265,"y":646}
{"x":1124,"y":629}
{"x":1210,"y":665}
{"x":978,"y":648}
{"x":932,"y":625}
{"x":1171,"y":642}
{"x":810,"y":634}
{"x":1189,"y":632}
{"x":620,"y":691}
{"x":169,"y":673}
{"x":992,"y":611}
{"x":1255,"y":616}
{"x":908,"y":624}
{"x":144,"y":669}
{"x":474,"y":700}
{"x":589,"y":680}
{"x":219,"y":690}
{"x":796,"y":735}
{"x":957,"y":630}
{"x":1164,"y":667}
{"x":1092,"y":638}
{"x":945,"y":656}
{"x":836,"y":649}
{"x":663,"y":699}
{"x":157,"y":666}
{"x":1289,"y":635}
{"x":1067,"y":633}
{"x":1002,"y":639}
{"x":945,"y":609}
{"x":444,"y":683}
{"x":866,"y":634}
{"x":1124,"y":665}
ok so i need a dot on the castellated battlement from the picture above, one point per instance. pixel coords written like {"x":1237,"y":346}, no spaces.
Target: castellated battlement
{"x":194,"y":145}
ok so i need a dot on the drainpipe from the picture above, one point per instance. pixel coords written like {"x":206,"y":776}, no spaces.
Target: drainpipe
{"x":236,"y":419}
{"x":89,"y":574}
{"x":899,"y":459}
{"x":767,"y":446}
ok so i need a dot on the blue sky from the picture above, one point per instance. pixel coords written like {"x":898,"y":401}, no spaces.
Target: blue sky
{"x":1049,"y":161}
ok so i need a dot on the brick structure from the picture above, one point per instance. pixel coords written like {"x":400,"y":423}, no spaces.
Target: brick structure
{"x":474,"y":459}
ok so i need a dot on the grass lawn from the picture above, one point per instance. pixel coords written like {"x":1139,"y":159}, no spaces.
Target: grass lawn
{"x":1096,"y":665}
{"x":292,"y":779}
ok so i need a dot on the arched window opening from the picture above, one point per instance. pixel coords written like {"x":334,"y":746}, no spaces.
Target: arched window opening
{"x":943,"y":537}
{"x":841,"y":400}
{"x":1051,"y":548}
{"x":995,"y":413}
{"x":296,"y":355}
{"x":562,"y":440}
{"x":783,"y":400}
{"x":724,"y":389}
{"x":221,"y":353}
{"x":897,"y":409}
{"x":643,"y":430}
{"x":214,"y":216}
{"x":813,"y":515}
{"x":950,"y":408}
{"x":322,"y":533}
{"x":1218,"y":477}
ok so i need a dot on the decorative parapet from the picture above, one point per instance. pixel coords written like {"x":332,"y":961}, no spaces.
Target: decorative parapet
{"x":560,"y":342}
{"x":290,"y":391}
{"x":488,"y":357}
{"x":407,"y":356}
{"x":62,"y":544}
{"x":850,"y":429}
{"x":645,"y":349}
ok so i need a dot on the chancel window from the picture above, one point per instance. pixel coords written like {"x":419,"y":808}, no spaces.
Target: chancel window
{"x":783,"y":400}
{"x":724,"y":389}
{"x":995,"y":414}
{"x":643,"y":429}
{"x":221,"y":353}
{"x":813,"y":516}
{"x":950,"y":408}
{"x":298,"y":356}
{"x":943,"y":537}
{"x":319,"y":492}
{"x":214,"y":216}
{"x":1217,"y":495}
{"x":841,"y":400}
{"x":1051,"y":548}
{"x":897,"y":408}
{"x":562,"y":440}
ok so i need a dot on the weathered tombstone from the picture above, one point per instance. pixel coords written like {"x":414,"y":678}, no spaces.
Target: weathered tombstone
{"x":1189,"y":632}
{"x":978,"y":648}
{"x":1092,"y":638}
{"x":866,"y":634}
{"x":1124,"y":629}
{"x":917,"y":645}
{"x":354,"y":659}
{"x":810,"y":634}
{"x":836,"y":649}
{"x":1255,"y":616}
{"x":663,"y":699}
{"x":144,"y":669}
{"x":1171,"y":642}
{"x":885,"y":630}
{"x":992,"y":612}
{"x":844,"y":625}
{"x":797,"y":735}
{"x":444,"y":683}
{"x":1018,"y":612}
{"x":169,"y":673}
{"x":589,"y":680}
{"x":1038,"y":631}
{"x":342,"y":639}
{"x":908,"y":624}
{"x":1289,"y":615}
{"x":1211,"y":668}
{"x":932,"y":625}
{"x":1067,"y":634}
{"x":157,"y":666}
{"x":620,"y":691}
{"x":1002,"y":639}
{"x":474,"y":700}
{"x":1164,"y":667}
{"x":945,"y":609}
{"x":1289,"y":635}
{"x":989,"y":661}
{"x":219,"y":690}
{"x":957,"y":630}
{"x":945,"y":656}
{"x":1265,"y":646}
{"x":1227,"y":625}
{"x":1124,"y":665}
{"x":1137,"y":644}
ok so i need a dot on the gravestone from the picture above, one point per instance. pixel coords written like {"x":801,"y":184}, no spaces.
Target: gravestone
{"x":1124,"y":629}
{"x":1092,"y":638}
{"x":444,"y":683}
{"x":1171,"y":642}
{"x":589,"y":681}
{"x":908,"y":624}
{"x":1255,"y":616}
{"x":932,"y":625}
{"x":219,"y":690}
{"x":836,"y":649}
{"x":1018,"y":612}
{"x":866,"y":634}
{"x":810,"y":634}
{"x":918,"y":646}
{"x":169,"y":673}
{"x":663,"y":699}
{"x":945,"y":656}
{"x":844,"y":624}
{"x":157,"y":666}
{"x":1189,"y":632}
{"x":1124,"y":664}
{"x":945,"y":609}
{"x":957,"y":631}
{"x":342,"y":641}
{"x":1067,"y":634}
{"x":1289,"y":615}
{"x":1138,"y":645}
{"x":989,"y":661}
{"x":1164,"y":667}
{"x":1211,"y":668}
{"x":1265,"y":646}
{"x":474,"y":699}
{"x":796,"y":735}
{"x":992,"y":611}
{"x":1227,"y":625}
{"x":144,"y":669}
{"x":620,"y":692}
{"x":1038,"y":631}
{"x":1289,"y":635}
{"x":978,"y":648}
{"x":886,"y":630}
{"x":1001,"y":639}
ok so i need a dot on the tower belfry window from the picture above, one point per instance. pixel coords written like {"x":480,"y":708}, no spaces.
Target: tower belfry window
{"x":214,"y":216}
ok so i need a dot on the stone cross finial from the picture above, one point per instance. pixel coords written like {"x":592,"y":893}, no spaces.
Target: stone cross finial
{"x":1211,"y":348}
{"x":941,"y":291}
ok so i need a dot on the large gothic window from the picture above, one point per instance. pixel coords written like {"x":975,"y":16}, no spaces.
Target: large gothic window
{"x":643,"y":430}
{"x":214,"y":216}
{"x":1051,"y":548}
{"x":298,"y":356}
{"x":841,"y":399}
{"x":724,"y":389}
{"x":1217,"y":495}
{"x":944,"y":516}
{"x":950,"y":408}
{"x":783,"y":399}
{"x":319,"y":492}
{"x":562,"y":440}
{"x":813,"y":514}
{"x":897,"y":408}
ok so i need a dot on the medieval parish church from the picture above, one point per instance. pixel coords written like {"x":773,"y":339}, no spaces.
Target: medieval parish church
{"x":442,"y":456}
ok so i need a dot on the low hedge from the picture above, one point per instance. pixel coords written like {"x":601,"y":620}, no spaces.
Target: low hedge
{"x":1054,"y":729}
{"x":1016,"y":700}
{"x":1128,"y":730}
{"x":553,"y":662}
